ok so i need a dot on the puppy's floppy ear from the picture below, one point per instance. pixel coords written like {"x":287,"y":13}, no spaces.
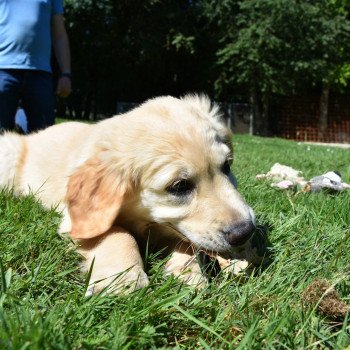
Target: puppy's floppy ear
{"x":94,"y":197}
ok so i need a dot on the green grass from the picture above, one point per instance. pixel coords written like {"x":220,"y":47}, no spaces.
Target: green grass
{"x":42,"y":303}
{"x":65,"y":120}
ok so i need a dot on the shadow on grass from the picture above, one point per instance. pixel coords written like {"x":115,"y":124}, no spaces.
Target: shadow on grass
{"x":257,"y":252}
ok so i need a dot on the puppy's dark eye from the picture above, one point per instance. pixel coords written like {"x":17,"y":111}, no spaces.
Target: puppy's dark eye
{"x":226,"y":168}
{"x":181,"y":187}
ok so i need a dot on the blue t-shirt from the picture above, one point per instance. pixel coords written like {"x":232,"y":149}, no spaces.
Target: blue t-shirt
{"x":25,"y":33}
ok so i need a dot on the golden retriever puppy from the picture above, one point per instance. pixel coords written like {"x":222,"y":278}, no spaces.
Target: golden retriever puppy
{"x":158,"y":175}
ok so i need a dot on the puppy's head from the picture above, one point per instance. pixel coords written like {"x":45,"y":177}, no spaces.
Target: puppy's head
{"x":165,"y":163}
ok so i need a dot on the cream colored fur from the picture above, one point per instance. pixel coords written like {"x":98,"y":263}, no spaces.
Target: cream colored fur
{"x":111,"y":181}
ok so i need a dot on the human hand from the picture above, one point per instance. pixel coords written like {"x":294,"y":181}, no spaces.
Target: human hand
{"x":64,"y":87}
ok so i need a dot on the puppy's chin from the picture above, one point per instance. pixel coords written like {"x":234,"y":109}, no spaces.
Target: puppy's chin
{"x":211,"y":242}
{"x":215,"y":243}
{"x":173,"y":236}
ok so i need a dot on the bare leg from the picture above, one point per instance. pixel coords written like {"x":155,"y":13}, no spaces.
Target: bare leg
{"x":118,"y":265}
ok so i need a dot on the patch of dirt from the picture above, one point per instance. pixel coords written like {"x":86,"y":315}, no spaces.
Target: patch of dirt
{"x":326,"y":299}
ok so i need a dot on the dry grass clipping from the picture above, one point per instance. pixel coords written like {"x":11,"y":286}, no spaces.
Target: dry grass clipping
{"x":325,"y":298}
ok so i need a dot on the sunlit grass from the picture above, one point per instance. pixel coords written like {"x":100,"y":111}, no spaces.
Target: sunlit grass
{"x":42,"y":303}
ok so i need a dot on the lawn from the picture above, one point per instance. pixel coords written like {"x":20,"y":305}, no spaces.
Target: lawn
{"x":42,"y":303}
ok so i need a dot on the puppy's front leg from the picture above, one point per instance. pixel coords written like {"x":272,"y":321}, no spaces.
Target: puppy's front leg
{"x":185,"y":266}
{"x":118,"y":266}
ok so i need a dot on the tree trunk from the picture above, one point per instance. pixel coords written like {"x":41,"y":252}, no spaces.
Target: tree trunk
{"x":261,"y":108}
{"x":254,"y":100}
{"x":323,"y":120}
{"x":264,"y":129}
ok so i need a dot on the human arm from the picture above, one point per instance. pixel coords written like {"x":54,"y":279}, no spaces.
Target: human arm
{"x":61,"y":47}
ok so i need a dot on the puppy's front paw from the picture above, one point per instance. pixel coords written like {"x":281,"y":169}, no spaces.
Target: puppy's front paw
{"x":118,"y":283}
{"x":186,"y":269}
{"x":194,"y":279}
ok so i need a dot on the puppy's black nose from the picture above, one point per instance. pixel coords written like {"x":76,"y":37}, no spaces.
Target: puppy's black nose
{"x":238,"y":233}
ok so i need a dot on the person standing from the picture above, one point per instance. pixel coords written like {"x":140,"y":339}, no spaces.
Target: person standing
{"x":28,"y":29}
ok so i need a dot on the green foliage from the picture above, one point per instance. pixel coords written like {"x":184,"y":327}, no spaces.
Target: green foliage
{"x":182,"y":42}
{"x":280,"y":45}
{"x":342,"y":75}
{"x":129,"y":51}
{"x":42,"y":305}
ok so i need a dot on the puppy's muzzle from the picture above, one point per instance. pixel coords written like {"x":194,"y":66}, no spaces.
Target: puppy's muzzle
{"x":238,"y":233}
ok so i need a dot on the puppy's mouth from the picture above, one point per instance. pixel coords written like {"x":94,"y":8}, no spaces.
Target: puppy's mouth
{"x":202,"y":243}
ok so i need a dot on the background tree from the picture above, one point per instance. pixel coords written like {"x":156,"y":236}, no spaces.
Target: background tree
{"x":252,"y":50}
{"x":278,"y":47}
{"x":133,"y":50}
